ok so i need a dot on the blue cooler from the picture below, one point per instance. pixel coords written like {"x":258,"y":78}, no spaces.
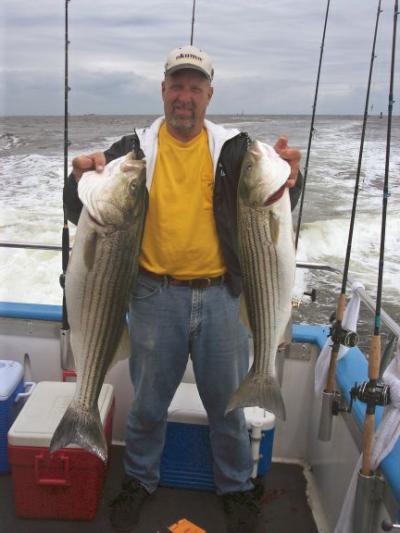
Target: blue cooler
{"x":186,"y":461}
{"x":12,"y":390}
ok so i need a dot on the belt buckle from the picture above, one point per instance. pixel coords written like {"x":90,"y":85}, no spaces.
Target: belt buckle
{"x":201,"y":283}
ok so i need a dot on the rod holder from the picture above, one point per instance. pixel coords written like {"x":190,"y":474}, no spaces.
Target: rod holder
{"x":386,"y":525}
{"x":255,"y":440}
{"x":312,"y":294}
{"x":326,"y":417}
{"x":368,"y":494}
{"x":67,"y":358}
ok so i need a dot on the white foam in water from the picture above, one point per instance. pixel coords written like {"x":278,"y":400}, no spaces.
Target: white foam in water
{"x":30,"y":276}
{"x":31,"y":212}
{"x":9,"y":141}
{"x":326,"y":242}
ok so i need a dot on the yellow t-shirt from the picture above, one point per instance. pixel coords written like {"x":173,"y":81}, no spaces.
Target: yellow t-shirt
{"x":180,"y":238}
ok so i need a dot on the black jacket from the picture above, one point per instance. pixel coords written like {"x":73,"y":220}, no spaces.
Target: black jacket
{"x":225,"y":196}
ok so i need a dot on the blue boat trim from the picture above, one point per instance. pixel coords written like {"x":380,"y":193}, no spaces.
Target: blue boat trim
{"x":351,"y":369}
{"x":30,"y":311}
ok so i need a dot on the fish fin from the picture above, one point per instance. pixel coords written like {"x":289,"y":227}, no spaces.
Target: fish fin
{"x":81,"y":427}
{"x":123,"y":350}
{"x":243,"y":314}
{"x":89,"y":250}
{"x":261,"y":391}
{"x":274,"y":225}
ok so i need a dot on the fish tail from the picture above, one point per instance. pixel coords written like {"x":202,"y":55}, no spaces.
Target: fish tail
{"x":261,"y":391}
{"x":82,"y":427}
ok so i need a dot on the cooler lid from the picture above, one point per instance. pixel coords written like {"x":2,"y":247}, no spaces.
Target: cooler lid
{"x":40,"y":416}
{"x":11,"y":373}
{"x":188,"y":408}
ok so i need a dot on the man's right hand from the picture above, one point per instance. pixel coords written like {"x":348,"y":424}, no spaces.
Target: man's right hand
{"x":82,"y":163}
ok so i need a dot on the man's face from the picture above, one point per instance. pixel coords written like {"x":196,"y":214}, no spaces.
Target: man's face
{"x":186,"y":95}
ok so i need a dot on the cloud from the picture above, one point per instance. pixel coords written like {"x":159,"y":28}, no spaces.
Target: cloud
{"x":130,"y":88}
{"x":265,"y":53}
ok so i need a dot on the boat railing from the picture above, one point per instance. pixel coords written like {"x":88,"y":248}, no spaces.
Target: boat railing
{"x":31,"y":246}
{"x":387,"y":320}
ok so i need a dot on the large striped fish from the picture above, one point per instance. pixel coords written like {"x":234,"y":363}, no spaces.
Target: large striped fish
{"x":267,"y":258}
{"x":100,"y":276}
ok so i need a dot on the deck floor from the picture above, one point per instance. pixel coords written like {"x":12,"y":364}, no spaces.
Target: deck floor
{"x":284,"y":510}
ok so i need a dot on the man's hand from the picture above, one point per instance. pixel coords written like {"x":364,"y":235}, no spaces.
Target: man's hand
{"x":292,"y":156}
{"x":82,"y":163}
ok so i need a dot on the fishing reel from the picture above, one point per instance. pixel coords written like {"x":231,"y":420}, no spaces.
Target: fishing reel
{"x":372,"y":392}
{"x":343,"y":336}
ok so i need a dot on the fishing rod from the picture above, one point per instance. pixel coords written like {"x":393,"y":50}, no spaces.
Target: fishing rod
{"x":65,"y":345}
{"x":65,"y":231}
{"x":373,"y":392}
{"x":193,"y":14}
{"x":340,"y":335}
{"x":311,"y":134}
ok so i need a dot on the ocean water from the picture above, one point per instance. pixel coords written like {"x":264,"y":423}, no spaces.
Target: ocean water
{"x":31,"y":173}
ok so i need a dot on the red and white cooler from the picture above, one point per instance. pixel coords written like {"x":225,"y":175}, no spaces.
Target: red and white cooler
{"x":63,"y":485}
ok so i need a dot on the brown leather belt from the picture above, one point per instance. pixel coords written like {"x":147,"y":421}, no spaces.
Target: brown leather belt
{"x":196,"y":283}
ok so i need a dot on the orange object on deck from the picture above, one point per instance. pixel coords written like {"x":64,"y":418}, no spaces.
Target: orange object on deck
{"x":185,"y":526}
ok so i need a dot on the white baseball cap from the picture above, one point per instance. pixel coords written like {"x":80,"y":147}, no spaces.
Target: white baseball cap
{"x":189,"y":57}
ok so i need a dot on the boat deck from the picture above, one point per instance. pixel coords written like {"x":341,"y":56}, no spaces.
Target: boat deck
{"x":284,"y":506}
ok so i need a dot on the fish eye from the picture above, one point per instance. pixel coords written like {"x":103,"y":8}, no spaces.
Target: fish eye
{"x":132,"y":185}
{"x":249,"y":166}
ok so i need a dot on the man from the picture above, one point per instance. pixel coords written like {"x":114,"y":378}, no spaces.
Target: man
{"x":187,"y":295}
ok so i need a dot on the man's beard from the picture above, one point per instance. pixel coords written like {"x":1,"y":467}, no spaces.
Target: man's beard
{"x":183,"y":123}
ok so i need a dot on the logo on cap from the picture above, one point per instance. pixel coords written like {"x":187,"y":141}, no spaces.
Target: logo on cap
{"x":191,"y":56}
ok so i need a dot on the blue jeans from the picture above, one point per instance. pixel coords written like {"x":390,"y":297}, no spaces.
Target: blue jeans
{"x":166,"y":324}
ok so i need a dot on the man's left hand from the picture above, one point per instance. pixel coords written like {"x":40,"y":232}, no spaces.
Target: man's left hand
{"x":292,"y":156}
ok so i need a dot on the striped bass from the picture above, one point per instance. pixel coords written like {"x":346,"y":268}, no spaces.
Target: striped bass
{"x":100,"y":276}
{"x":267,"y":258}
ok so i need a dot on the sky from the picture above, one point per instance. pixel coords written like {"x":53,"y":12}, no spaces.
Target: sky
{"x":265,"y":55}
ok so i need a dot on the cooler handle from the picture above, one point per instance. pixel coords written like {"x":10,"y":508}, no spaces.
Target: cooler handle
{"x":52,"y":481}
{"x":27,"y":393}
